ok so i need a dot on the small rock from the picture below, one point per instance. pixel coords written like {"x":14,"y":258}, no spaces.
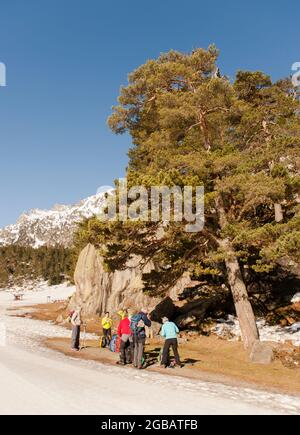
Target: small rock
{"x":261,"y":353}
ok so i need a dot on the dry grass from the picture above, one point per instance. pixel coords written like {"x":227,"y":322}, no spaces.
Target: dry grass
{"x":206,"y":358}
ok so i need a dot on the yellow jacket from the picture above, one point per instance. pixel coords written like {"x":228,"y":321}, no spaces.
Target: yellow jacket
{"x":107,"y":322}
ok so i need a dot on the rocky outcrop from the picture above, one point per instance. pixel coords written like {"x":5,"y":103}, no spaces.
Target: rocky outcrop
{"x":98,"y":290}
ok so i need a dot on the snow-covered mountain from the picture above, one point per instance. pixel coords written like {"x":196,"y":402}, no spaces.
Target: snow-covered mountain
{"x":50,"y":227}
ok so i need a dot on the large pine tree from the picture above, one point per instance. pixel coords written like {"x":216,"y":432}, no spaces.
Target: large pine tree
{"x":190,"y":126}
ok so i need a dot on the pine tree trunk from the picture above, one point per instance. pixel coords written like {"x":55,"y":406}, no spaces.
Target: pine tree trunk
{"x":242,"y":304}
{"x":239,"y":291}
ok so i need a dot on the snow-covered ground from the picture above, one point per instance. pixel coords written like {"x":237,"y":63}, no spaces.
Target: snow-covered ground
{"x":31,"y":333}
{"x":35,"y":292}
{"x":230,"y":330}
{"x":35,"y":380}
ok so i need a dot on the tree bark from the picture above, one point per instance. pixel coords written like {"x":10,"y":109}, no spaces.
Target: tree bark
{"x":239,"y":291}
{"x":242,"y":304}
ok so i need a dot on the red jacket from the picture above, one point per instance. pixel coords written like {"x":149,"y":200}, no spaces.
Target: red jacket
{"x":124,"y":327}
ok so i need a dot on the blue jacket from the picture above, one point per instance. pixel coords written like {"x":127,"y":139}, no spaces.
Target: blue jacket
{"x":169,"y":331}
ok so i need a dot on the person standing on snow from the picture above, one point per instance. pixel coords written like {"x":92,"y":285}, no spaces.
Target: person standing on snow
{"x":137,"y":326}
{"x":107,"y":325}
{"x":76,"y":325}
{"x":124,"y":332}
{"x":170,"y":332}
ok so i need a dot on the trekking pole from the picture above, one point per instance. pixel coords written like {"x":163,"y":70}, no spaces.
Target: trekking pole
{"x":84,"y":335}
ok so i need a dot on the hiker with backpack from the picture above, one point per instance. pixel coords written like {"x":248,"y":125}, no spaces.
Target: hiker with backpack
{"x":76,"y":325}
{"x":126,"y":346}
{"x":170,"y":332}
{"x":137,"y":326}
{"x":107,"y":325}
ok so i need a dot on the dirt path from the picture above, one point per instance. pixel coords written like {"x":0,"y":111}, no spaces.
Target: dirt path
{"x":213,"y":361}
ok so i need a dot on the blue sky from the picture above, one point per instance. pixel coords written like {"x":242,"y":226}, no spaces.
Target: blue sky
{"x":66,"y":60}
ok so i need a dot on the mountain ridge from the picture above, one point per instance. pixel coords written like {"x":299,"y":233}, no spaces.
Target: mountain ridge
{"x":53,"y":227}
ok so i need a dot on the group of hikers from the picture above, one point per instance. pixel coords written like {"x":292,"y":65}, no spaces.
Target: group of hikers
{"x":132,"y":334}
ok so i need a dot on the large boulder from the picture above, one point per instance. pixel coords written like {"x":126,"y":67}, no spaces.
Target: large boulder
{"x":89,"y":278}
{"x":98,"y":290}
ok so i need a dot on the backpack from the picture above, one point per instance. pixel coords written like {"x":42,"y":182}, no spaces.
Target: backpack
{"x":136,"y":324}
{"x":115,"y":344}
{"x":103,"y":342}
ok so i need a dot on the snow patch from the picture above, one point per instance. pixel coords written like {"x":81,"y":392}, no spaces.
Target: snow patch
{"x":230,"y":329}
{"x":38,"y":292}
{"x":296,"y":299}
